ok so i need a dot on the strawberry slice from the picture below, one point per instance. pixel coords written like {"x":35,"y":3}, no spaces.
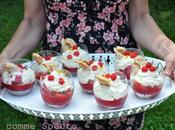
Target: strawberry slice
{"x":108,"y":76}
{"x":100,"y":64}
{"x":76,"y":53}
{"x":148,"y":65}
{"x":18,"y":79}
{"x":90,"y":62}
{"x":144,"y":69}
{"x":61,"y":81}
{"x":152,"y":69}
{"x":21,"y":66}
{"x":50,"y":77}
{"x":113,"y":76}
{"x":47,"y":57}
{"x":74,"y":47}
{"x":94,"y":67}
{"x":69,"y":57}
{"x":133,"y":55}
{"x":127,"y":53}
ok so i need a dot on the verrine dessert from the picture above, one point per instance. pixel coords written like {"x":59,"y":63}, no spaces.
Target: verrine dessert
{"x":43,"y":59}
{"x":125,"y":58}
{"x":56,"y":88}
{"x":147,"y":79}
{"x":72,"y":52}
{"x":18,"y":77}
{"x":111,"y":90}
{"x":87,"y":72}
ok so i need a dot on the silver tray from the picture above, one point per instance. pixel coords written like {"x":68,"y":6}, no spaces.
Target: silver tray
{"x":83,"y":106}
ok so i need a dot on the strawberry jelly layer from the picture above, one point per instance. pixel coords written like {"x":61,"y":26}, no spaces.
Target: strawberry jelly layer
{"x":56,"y":98}
{"x":88,"y":86}
{"x":19,"y":87}
{"x":72,"y":70}
{"x":149,"y":90}
{"x":118,"y":103}
{"x":127,"y":72}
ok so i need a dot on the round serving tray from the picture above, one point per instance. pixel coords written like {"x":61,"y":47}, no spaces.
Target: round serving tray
{"x":83,"y":106}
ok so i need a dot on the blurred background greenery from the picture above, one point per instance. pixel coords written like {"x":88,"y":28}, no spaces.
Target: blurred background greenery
{"x":158,"y":118}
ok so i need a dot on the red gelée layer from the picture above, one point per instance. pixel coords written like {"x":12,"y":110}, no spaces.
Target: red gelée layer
{"x":19,"y":87}
{"x":72,"y":70}
{"x":56,"y":98}
{"x":88,"y":86}
{"x":127,"y":72}
{"x":116,"y":103}
{"x":149,"y":90}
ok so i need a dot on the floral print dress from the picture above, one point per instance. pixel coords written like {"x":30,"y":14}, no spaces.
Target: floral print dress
{"x":99,"y":24}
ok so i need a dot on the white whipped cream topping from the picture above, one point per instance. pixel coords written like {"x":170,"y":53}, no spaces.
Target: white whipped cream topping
{"x":71,"y":63}
{"x":27,"y":76}
{"x":41,"y":68}
{"x":117,"y":90}
{"x":124,"y":62}
{"x":148,"y":78}
{"x":85,"y":75}
{"x":55,"y":86}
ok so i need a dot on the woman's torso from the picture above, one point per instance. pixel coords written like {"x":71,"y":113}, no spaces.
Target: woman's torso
{"x":100,"y":24}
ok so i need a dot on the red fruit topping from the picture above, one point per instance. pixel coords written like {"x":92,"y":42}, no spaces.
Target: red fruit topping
{"x":47,"y":57}
{"x":148,"y":65}
{"x":74,"y":47}
{"x":94,"y":67}
{"x":144,"y":69}
{"x":108,"y":76}
{"x":61,"y":81}
{"x":69,"y":57}
{"x":18,"y":79}
{"x":127,"y":53}
{"x":76,"y":53}
{"x":90,"y":62}
{"x":152,"y":69}
{"x":21,"y":66}
{"x":100,"y":64}
{"x":50,"y":77}
{"x":113,"y":76}
{"x":133,"y":55}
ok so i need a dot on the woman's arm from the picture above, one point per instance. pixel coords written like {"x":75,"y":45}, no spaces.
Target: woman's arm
{"x":28,"y":33}
{"x":149,"y":35}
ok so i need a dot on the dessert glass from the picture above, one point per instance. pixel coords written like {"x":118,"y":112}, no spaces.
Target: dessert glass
{"x":57,"y":88}
{"x":86,"y":74}
{"x":48,"y":57}
{"x":125,"y":59}
{"x":18,"y":77}
{"x":147,"y":79}
{"x":111,"y":90}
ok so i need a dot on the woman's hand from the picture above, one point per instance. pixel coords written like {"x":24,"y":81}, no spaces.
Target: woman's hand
{"x":170,"y":63}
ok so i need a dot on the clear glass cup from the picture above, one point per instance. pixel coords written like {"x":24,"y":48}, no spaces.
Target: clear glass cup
{"x":57,"y":88}
{"x":77,"y":52}
{"x":18,"y":77}
{"x":113,"y":94}
{"x":86,"y":75}
{"x":48,"y":57}
{"x":147,"y":79}
{"x":125,"y":62}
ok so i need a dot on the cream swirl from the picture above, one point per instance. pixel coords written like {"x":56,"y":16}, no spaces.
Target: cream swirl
{"x":124,"y":62}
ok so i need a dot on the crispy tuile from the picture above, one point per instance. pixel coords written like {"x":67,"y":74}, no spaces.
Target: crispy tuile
{"x":83,"y":64}
{"x":10,"y":67}
{"x":37,"y":57}
{"x":103,"y":80}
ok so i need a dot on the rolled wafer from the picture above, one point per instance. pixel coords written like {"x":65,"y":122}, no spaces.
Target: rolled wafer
{"x":103,"y":80}
{"x":10,"y":67}
{"x":37,"y":57}
{"x":83,"y":64}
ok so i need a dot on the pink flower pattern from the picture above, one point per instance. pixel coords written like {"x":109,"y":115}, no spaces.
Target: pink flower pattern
{"x":102,"y":24}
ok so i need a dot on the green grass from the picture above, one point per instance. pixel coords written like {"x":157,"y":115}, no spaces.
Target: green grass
{"x":158,"y":118}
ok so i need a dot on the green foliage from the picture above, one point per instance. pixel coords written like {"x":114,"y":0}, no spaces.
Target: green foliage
{"x":159,"y":118}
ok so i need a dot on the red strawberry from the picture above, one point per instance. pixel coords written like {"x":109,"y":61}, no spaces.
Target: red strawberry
{"x":133,"y":55}
{"x":148,"y":65}
{"x":100,"y":64}
{"x":74,"y":47}
{"x":90,"y":62}
{"x":47,"y":57}
{"x":76,"y":53}
{"x":21,"y":66}
{"x":152,"y":69}
{"x":113,"y":76}
{"x":94,"y":67}
{"x":50,"y":77}
{"x":144,"y":69}
{"x":69,"y":57}
{"x":127,"y":53}
{"x":61,"y":81}
{"x":107,"y":75}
